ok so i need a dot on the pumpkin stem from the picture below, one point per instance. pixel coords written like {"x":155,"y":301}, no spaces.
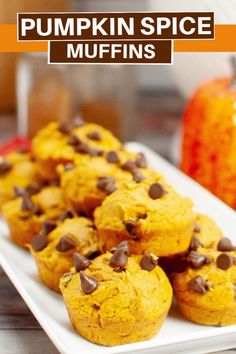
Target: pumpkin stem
{"x":233,"y":66}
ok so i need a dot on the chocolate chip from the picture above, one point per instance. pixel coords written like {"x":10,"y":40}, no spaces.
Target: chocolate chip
{"x":112,"y":157}
{"x":65,"y":244}
{"x":197,"y":260}
{"x":225,"y":245}
{"x":88,"y":284}
{"x":32,"y":188}
{"x":103,"y":181}
{"x":197,"y":228}
{"x":4,"y":167}
{"x":69,"y":167}
{"x":149,"y":261}
{"x":199,"y":285}
{"x":224,"y":261}
{"x":65,"y":127}
{"x":129,"y":165}
{"x":141,"y":161}
{"x":130,"y":226}
{"x":95,"y":152}
{"x":19,"y":191}
{"x":137,"y":176}
{"x":80,"y":262}
{"x":142,"y":216}
{"x":119,"y":258}
{"x":73,"y":140}
{"x":68,"y":214}
{"x":38,"y":211}
{"x":156,"y":191}
{"x":48,"y":226}
{"x":195,"y":244}
{"x":94,"y":136}
{"x":122,"y":245}
{"x":27,"y":204}
{"x":106,"y":184}
{"x":39,"y":242}
{"x":82,"y":148}
{"x":110,"y":188}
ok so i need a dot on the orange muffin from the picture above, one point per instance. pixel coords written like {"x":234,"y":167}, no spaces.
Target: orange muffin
{"x":150,"y":215}
{"x":87,"y":183}
{"x":117,"y":299}
{"x":205,"y":234}
{"x":205,"y":291}
{"x":53,"y":251}
{"x":16,"y":170}
{"x":61,"y":143}
{"x":24,"y":215}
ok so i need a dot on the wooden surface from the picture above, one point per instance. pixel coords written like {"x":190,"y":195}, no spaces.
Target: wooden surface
{"x":20,"y":333}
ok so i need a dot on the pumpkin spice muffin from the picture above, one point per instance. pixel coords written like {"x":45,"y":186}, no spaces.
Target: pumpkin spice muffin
{"x":25,"y":214}
{"x":61,"y":143}
{"x":206,"y":231}
{"x":91,"y":179}
{"x":16,"y":169}
{"x":205,"y":291}
{"x":53,"y":249}
{"x":150,"y":215}
{"x":117,"y":299}
{"x":205,"y":234}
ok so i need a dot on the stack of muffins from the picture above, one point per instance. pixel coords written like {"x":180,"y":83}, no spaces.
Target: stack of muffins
{"x":113,"y":236}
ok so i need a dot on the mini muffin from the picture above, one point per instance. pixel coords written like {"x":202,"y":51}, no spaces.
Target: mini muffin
{"x":91,"y":179}
{"x":16,"y":169}
{"x":205,"y":291}
{"x":61,"y":143}
{"x":150,"y":215}
{"x":24,"y":215}
{"x":205,"y":234}
{"x":206,"y":231}
{"x":117,"y":299}
{"x":54,"y":247}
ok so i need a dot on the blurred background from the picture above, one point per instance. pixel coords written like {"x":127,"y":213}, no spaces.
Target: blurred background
{"x":143,"y":103}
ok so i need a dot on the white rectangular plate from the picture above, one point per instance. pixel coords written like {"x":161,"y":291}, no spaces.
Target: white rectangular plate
{"x":176,"y":335}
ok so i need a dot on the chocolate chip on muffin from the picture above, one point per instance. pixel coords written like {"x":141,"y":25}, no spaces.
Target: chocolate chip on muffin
{"x":112,"y":157}
{"x":95,"y":135}
{"x":149,"y":261}
{"x":156,"y":191}
{"x":199,"y":285}
{"x":65,"y":244}
{"x":88,"y":284}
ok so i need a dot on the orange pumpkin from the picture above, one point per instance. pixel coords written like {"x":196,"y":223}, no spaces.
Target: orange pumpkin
{"x":209,"y":138}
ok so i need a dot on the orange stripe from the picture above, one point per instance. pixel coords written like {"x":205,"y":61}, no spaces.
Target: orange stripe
{"x":223,"y":42}
{"x":8,"y":41}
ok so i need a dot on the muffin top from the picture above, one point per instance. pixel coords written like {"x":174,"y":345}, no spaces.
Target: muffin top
{"x":149,"y":206}
{"x":97,"y":177}
{"x":118,"y":285}
{"x":210,"y":278}
{"x":17,"y":169}
{"x":47,"y":203}
{"x":206,"y":231}
{"x":69,"y":139}
{"x":57,"y":242}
